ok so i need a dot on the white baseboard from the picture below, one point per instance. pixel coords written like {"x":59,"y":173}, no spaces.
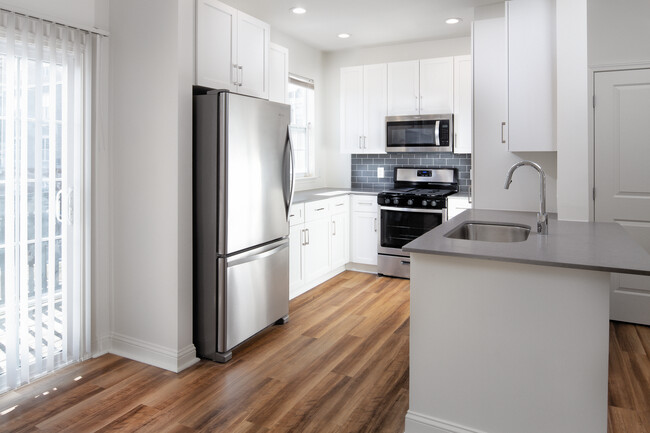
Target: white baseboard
{"x":361,"y":267}
{"x":297,"y":291}
{"x":420,"y":423}
{"x":101,"y":346}
{"x":153,"y":354}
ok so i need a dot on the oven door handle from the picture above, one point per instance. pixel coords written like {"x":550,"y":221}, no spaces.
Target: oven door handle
{"x":413,"y":210}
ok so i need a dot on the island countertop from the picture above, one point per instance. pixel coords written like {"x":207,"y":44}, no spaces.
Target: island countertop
{"x":604,"y":247}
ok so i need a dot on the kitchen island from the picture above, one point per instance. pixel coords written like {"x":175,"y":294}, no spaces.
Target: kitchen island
{"x":512,"y":337}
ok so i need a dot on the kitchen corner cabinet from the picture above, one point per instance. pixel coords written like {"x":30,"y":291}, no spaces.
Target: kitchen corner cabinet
{"x":531,"y":76}
{"x":365,"y":226}
{"x":463,"y":104}
{"x":232,"y":50}
{"x":278,"y":73}
{"x":363,"y":109}
{"x":421,"y":87}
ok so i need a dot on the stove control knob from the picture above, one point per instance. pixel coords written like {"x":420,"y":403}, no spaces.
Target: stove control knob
{"x":424,"y":202}
{"x":395,"y":201}
{"x":387,"y":201}
{"x":410,"y":202}
{"x":433,"y":203}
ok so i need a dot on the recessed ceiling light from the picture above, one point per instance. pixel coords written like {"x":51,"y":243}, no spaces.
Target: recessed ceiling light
{"x":344,"y":35}
{"x":298,"y":10}
{"x":453,"y":20}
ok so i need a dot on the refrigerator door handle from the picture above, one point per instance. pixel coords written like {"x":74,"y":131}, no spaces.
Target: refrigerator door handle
{"x":291,"y":175}
{"x":258,"y":253}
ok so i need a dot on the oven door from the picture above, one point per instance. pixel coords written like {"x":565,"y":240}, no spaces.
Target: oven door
{"x":399,"y":226}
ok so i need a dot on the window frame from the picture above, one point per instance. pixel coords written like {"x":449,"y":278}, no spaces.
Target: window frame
{"x":309,"y":128}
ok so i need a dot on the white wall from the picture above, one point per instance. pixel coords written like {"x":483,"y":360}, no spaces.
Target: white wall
{"x":618,"y":31}
{"x":87,"y":14}
{"x":338,"y":165}
{"x":307,"y":62}
{"x":151,"y":46}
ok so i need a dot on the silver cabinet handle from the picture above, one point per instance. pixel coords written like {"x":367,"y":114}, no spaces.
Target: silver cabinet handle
{"x":292,"y":215}
{"x":320,"y":209}
{"x":241,"y":75}
{"x":375,"y":223}
{"x":364,"y":142}
{"x":417,"y":105}
{"x":503,"y":140}
{"x":333,"y":228}
{"x":365,"y":203}
{"x":308,"y":237}
{"x":360,"y":143}
{"x":340,"y":204}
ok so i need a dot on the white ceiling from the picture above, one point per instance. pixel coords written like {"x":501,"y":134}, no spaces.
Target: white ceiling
{"x":369,"y":22}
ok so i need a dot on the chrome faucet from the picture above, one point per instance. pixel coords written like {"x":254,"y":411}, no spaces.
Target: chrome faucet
{"x":542,"y":216}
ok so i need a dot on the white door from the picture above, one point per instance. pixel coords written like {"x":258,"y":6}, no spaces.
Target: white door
{"x":351,"y":111}
{"x":339,"y":237}
{"x":216,"y":44}
{"x":463,"y":104}
{"x":253,"y":38}
{"x":364,"y":237}
{"x":437,"y":86}
{"x":317,"y":249}
{"x":375,"y":107}
{"x":404,"y":88}
{"x":296,"y":270}
{"x":622,"y":173}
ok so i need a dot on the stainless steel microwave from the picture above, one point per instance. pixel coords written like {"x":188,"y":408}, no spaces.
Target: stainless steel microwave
{"x":425,"y":133}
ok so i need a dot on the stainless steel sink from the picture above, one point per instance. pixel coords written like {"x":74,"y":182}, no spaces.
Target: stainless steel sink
{"x":490,"y":232}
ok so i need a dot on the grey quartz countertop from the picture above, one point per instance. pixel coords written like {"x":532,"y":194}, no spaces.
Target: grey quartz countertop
{"x":602,"y":247}
{"x":324,"y":193}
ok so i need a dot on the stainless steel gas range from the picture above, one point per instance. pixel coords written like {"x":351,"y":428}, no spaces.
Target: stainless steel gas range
{"x":416,"y":204}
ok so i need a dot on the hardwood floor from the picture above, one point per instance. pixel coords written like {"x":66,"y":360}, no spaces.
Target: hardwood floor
{"x":339,"y":365}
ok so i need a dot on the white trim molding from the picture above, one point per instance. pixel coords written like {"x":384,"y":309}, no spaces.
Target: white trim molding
{"x":420,"y":423}
{"x":153,"y":354}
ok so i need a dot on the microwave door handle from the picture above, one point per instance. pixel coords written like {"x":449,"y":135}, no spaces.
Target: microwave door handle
{"x":437,"y":132}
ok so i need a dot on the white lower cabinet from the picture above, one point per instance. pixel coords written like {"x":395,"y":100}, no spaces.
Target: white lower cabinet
{"x":365,"y":229}
{"x":456,"y":205}
{"x":318,"y":242}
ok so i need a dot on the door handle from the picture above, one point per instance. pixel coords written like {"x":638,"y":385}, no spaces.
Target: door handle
{"x":308,"y":240}
{"x":360,"y":143}
{"x":241,"y":75}
{"x":503,"y":140}
{"x":333,"y":228}
{"x":375,"y":224}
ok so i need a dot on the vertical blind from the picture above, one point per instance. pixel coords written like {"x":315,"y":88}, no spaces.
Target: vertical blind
{"x":43,"y":104}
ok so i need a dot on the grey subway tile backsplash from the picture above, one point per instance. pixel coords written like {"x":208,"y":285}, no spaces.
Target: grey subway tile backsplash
{"x":364,"y":167}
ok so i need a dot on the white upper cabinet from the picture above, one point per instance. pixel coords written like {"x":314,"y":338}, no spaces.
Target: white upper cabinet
{"x":531,"y":124}
{"x":437,"y":86}
{"x":404,"y":88}
{"x":232,"y":49}
{"x":463,"y":104}
{"x":421,"y":87}
{"x":278,"y":73}
{"x":363,"y":109}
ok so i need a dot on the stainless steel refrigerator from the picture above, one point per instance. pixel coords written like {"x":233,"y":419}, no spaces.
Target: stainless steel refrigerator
{"x":243,"y":187}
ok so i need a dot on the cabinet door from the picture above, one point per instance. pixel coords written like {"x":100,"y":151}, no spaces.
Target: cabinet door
{"x":404,"y":88}
{"x":463,"y":104}
{"x":437,"y":86}
{"x":253,"y":56}
{"x":317,"y":249}
{"x":364,"y":238}
{"x":531,"y":75}
{"x":339,"y":240}
{"x":375,"y":100}
{"x":296,"y":271}
{"x":216,"y":42}
{"x":352,"y":110}
{"x":278,"y":73}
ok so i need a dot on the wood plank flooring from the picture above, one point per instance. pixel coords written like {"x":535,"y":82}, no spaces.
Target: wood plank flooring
{"x":339,"y":365}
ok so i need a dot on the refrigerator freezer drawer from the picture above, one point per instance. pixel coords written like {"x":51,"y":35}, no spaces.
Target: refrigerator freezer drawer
{"x":256,"y":292}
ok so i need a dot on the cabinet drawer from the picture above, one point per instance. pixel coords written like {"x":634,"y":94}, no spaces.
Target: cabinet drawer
{"x":296,"y":214}
{"x":364,"y":203}
{"x":316,"y":209}
{"x":340,"y":204}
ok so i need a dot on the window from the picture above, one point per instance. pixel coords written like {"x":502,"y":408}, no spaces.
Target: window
{"x":301,"y":98}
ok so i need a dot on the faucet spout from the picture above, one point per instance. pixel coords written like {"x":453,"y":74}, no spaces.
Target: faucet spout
{"x":542,"y":216}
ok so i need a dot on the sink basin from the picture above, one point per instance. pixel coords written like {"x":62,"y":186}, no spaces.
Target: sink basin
{"x":490,"y":232}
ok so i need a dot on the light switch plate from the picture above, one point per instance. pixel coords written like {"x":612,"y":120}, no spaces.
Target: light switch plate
{"x":380,"y":172}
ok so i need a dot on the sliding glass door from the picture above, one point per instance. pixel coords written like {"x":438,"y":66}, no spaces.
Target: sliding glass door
{"x":42,"y":106}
